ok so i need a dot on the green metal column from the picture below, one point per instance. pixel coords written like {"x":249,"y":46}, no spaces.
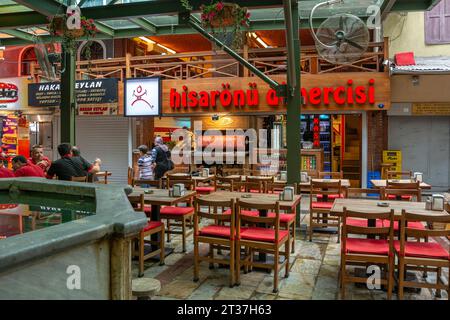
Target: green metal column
{"x":293,"y":138}
{"x":68,"y":101}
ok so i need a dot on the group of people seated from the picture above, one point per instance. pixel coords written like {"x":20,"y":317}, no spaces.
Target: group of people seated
{"x":71,"y":164}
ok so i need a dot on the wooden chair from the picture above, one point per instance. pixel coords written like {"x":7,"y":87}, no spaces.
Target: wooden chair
{"x":319,"y":210}
{"x":423,"y":256}
{"x":79,"y":179}
{"x":331,"y":175}
{"x":269,"y":239}
{"x":152,"y":227}
{"x":177,"y":216}
{"x":360,"y":251}
{"x":399,"y":174}
{"x":258,"y":184}
{"x":185,"y":179}
{"x":217,"y":235}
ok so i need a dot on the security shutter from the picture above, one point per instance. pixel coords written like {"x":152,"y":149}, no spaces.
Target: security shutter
{"x":425,"y":146}
{"x":106,"y":138}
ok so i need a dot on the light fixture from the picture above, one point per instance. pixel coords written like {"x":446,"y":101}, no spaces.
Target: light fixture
{"x":167,"y":49}
{"x":261,"y":42}
{"x":415,"y":80}
{"x":2,"y":49}
{"x":147,"y":40}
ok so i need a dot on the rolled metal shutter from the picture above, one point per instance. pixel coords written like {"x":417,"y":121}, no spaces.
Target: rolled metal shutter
{"x":106,"y":138}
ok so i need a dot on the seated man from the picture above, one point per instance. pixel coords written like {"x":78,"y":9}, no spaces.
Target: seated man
{"x":91,"y":176}
{"x":38,"y":158}
{"x":5,"y":172}
{"x":69,"y":166}
{"x":23,"y":168}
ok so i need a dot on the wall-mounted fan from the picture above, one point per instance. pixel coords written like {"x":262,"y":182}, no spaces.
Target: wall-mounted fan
{"x":342,"y":38}
{"x":46,"y":60}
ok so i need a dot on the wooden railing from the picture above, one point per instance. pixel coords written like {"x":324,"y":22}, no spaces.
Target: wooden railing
{"x":196,"y":65}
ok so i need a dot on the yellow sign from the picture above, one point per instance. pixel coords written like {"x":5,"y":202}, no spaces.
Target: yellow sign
{"x":431,"y":109}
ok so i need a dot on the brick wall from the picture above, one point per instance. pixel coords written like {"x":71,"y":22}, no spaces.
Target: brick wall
{"x":377,"y":129}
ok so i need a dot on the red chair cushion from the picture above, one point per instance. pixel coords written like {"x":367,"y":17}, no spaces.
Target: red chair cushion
{"x":255,"y":191}
{"x":263,"y":234}
{"x":367,"y":246}
{"x":322,"y":205}
{"x":363,"y":222}
{"x":431,"y":250}
{"x":147,"y":208}
{"x":411,"y":224}
{"x":404,"y":197}
{"x":179,"y":211}
{"x":215,"y":231}
{"x":205,"y":189}
{"x":330,"y":196}
{"x":284,"y":217}
{"x":152,"y":225}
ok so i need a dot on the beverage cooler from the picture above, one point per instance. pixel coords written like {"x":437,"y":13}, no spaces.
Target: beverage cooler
{"x":316,"y":129}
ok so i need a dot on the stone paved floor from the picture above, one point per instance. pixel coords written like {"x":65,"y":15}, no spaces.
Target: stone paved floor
{"x":313,"y":275}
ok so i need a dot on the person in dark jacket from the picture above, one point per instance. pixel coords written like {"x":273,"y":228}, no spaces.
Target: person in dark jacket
{"x":160,"y":158}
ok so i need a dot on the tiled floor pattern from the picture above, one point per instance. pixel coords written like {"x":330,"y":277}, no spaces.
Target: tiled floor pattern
{"x":313,"y":275}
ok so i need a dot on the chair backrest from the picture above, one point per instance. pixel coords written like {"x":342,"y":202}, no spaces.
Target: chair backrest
{"x":272,"y":221}
{"x":137,"y":202}
{"x":385,"y":192}
{"x":259,"y":186}
{"x":221,"y":181}
{"x":399,"y":174}
{"x":79,"y":179}
{"x":386,"y":229}
{"x":325,"y":188}
{"x":185,"y":179}
{"x":332,"y":175}
{"x":422,"y":233}
{"x":213,"y":210}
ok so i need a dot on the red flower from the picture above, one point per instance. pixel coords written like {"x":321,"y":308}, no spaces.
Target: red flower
{"x":219,"y":6}
{"x":204,"y":16}
{"x":91,"y":20}
{"x":211,"y":16}
{"x":247,"y":15}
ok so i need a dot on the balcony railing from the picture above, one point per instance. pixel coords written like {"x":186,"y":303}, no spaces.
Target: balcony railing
{"x":194,"y":65}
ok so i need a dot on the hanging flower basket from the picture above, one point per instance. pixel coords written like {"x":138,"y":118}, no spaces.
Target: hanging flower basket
{"x":58,"y":27}
{"x":224,"y":18}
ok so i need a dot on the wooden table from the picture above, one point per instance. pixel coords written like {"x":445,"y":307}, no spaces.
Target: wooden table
{"x":383,"y":183}
{"x":260,"y":198}
{"x":158,"y":198}
{"x":104,"y":174}
{"x":371,"y":206}
{"x":195,"y":178}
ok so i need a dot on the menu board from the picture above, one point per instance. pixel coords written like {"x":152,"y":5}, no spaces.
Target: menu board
{"x":9,"y":134}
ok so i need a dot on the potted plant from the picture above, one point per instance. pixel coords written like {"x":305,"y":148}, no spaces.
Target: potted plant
{"x":218,"y":16}
{"x":58,"y":27}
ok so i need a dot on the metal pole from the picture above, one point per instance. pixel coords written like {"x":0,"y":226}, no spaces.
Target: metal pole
{"x":294,"y":97}
{"x":195,"y":24}
{"x":68,"y":101}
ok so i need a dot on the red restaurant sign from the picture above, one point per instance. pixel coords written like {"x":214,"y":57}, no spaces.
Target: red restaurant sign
{"x":343,"y":91}
{"x":316,"y":96}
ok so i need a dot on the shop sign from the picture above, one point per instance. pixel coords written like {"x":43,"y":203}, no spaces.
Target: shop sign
{"x":13,"y":92}
{"x":142,"y":97}
{"x":97,"y":110}
{"x":431,"y":109}
{"x":98,"y":91}
{"x":346,"y":91}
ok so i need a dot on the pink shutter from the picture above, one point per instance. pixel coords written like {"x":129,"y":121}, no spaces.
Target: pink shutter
{"x":446,"y":21}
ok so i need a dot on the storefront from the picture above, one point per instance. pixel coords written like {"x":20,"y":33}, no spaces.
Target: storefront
{"x":22,"y":125}
{"x":419,"y":125}
{"x":335,"y":113}
{"x":101,"y":129}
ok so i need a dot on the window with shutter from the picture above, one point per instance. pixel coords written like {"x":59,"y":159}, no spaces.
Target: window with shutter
{"x":437,"y":24}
